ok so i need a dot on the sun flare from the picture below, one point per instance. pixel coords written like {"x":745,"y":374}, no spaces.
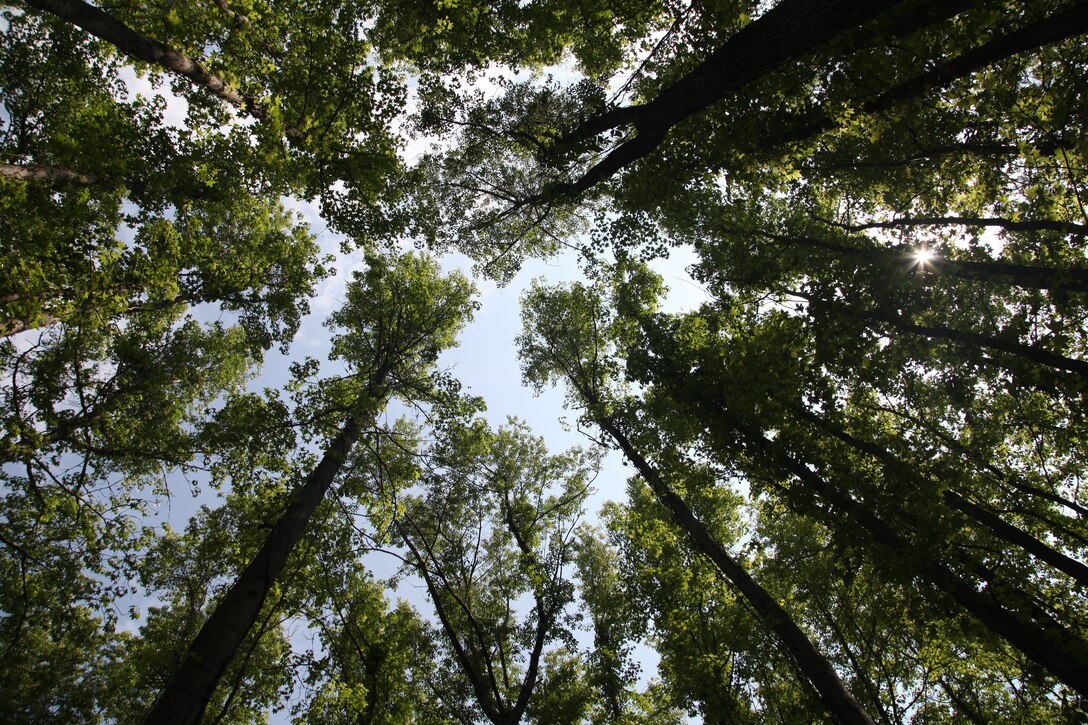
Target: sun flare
{"x":923,"y":256}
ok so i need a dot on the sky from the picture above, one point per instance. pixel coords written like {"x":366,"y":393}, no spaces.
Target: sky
{"x":485,"y":361}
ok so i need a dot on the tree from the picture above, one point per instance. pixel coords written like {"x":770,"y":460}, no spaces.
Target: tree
{"x":567,"y":335}
{"x":493,"y":522}
{"x":167,"y":205}
{"x":399,"y":315}
{"x":736,"y":406}
{"x":859,"y":463}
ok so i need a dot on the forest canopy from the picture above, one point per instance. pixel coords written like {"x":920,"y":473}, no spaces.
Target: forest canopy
{"x":857,"y":467}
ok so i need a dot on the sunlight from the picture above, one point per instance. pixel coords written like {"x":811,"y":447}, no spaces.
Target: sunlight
{"x":924,"y":256}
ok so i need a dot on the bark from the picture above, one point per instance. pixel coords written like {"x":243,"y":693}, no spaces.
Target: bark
{"x":141,"y":48}
{"x":1004,"y":609}
{"x":55,"y":174}
{"x":837,"y":698}
{"x":1007,"y":480}
{"x":186,"y":695}
{"x":789,"y":31}
{"x":1032,"y":353}
{"x":1018,"y":537}
{"x":1012,"y":225}
{"x":1062,"y":25}
{"x":13,"y":326}
{"x":493,"y":708}
{"x":545,"y":617}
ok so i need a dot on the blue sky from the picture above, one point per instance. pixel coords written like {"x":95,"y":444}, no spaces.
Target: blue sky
{"x":485,"y":361}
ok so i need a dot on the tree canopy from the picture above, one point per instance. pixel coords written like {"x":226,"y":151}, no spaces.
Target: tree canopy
{"x":857,"y":464}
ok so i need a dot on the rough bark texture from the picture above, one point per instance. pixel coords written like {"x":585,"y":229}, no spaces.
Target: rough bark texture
{"x":55,"y":174}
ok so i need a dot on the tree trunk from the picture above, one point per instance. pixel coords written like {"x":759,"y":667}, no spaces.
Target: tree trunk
{"x":13,"y":326}
{"x":1062,"y":25}
{"x":186,"y":695}
{"x":786,"y":32}
{"x":56,"y":174}
{"x":1018,"y":537}
{"x":1005,"y":479}
{"x":837,"y":698}
{"x":1012,"y":225}
{"x":1005,"y":610}
{"x":137,"y":46}
{"x":999,"y":527}
{"x":489,"y":701}
{"x":1031,"y":353}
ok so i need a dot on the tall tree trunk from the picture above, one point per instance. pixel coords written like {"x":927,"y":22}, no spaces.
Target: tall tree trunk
{"x":1031,"y":353}
{"x":1018,"y":537}
{"x":1005,"y":479}
{"x":489,"y":700}
{"x":788,"y":31}
{"x":1064,"y":24}
{"x":186,"y":695}
{"x":999,"y":527}
{"x":1004,"y":609}
{"x":1034,"y":354}
{"x":139,"y":47}
{"x":837,"y":698}
{"x":1012,"y":225}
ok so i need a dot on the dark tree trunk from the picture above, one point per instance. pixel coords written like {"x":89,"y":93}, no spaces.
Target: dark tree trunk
{"x":999,"y":527}
{"x":1004,"y":609}
{"x":1013,"y":225}
{"x":1018,"y":537}
{"x":1034,"y":354}
{"x":489,"y":700}
{"x":788,"y":31}
{"x":837,"y":698}
{"x":186,"y":695}
{"x":1064,"y":24}
{"x":139,"y":47}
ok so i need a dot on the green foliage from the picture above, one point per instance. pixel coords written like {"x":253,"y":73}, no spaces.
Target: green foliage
{"x":890,"y":229}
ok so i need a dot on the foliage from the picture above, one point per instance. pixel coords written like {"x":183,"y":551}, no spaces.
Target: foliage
{"x":876,"y":417}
